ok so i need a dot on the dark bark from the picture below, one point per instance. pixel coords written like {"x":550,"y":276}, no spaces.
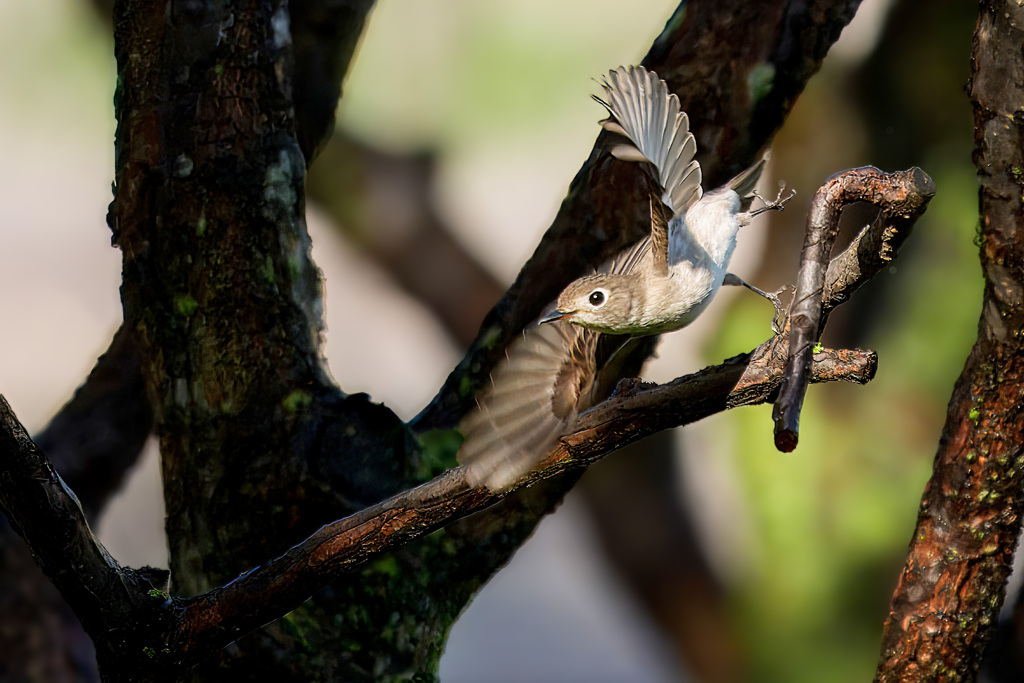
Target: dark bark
{"x":108,"y":599}
{"x":226,"y":307}
{"x":951,"y":589}
{"x":325,"y":34}
{"x":93,"y":442}
{"x":41,"y":638}
{"x":98,"y":435}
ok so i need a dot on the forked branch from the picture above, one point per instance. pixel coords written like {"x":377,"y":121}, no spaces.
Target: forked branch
{"x":901,"y":197}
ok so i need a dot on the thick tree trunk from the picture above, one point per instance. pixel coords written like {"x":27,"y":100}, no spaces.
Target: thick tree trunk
{"x":226,"y":304}
{"x":953,"y":584}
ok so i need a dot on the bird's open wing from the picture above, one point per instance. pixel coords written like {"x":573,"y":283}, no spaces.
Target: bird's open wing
{"x":649,"y":115}
{"x":550,"y":375}
{"x":659,"y":238}
{"x":530,"y":403}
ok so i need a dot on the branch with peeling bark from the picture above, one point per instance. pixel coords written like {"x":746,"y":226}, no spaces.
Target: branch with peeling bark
{"x":902,"y":198}
{"x":176,"y":633}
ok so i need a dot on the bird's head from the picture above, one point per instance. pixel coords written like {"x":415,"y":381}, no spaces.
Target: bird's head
{"x":603,"y":302}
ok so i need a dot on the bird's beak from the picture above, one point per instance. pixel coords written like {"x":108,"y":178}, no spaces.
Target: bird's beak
{"x":553,"y":316}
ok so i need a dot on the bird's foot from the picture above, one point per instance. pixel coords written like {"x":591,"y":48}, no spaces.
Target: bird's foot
{"x":777,"y":204}
{"x":780,"y":310}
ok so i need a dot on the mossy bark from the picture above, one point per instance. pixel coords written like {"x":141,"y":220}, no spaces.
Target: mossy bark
{"x":259,"y":447}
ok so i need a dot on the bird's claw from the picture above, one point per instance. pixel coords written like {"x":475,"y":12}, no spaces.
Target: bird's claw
{"x":780,"y":312}
{"x":777,"y":204}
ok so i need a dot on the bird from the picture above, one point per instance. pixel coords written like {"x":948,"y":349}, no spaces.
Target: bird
{"x":668,"y":278}
{"x":571,"y":357}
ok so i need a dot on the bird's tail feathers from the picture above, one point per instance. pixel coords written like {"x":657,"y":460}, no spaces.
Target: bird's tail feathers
{"x":643,"y":110}
{"x":746,"y":181}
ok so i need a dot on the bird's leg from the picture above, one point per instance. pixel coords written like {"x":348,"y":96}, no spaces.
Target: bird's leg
{"x":619,"y":354}
{"x":731,"y":279}
{"x":778,"y":204}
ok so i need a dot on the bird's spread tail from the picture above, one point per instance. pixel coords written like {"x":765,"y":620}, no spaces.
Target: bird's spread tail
{"x":643,"y":109}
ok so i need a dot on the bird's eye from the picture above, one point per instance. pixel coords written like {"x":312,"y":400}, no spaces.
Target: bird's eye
{"x":596,"y":298}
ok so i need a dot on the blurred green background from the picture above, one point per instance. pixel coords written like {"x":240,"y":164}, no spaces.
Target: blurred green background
{"x":808,"y":544}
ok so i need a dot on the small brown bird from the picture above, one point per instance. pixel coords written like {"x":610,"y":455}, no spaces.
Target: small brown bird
{"x":557,"y":370}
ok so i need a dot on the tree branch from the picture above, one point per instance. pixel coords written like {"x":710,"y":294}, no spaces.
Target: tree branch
{"x":98,"y":435}
{"x":93,"y":442}
{"x":383,"y":203}
{"x":902,"y":198}
{"x":325,"y":34}
{"x":45,"y":512}
{"x":952,"y":586}
{"x":47,"y":515}
{"x":199,"y":626}
{"x":218,"y":617}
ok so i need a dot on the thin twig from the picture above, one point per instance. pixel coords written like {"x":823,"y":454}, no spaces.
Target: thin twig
{"x":902,"y":197}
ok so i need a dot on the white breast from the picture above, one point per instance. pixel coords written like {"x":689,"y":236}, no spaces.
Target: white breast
{"x":701,"y":242}
{"x":710,"y":227}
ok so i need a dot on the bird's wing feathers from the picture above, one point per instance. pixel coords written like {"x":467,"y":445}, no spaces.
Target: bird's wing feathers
{"x":551,"y":374}
{"x":555,"y":371}
{"x":649,"y":115}
{"x":659,"y":238}
{"x":631,"y":260}
{"x":531,"y":402}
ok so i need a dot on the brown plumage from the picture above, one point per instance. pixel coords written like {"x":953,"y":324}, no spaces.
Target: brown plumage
{"x":555,"y":371}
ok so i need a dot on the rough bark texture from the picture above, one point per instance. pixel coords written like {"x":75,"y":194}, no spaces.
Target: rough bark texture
{"x":226,"y":307}
{"x":952,"y":586}
{"x":93,"y":441}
